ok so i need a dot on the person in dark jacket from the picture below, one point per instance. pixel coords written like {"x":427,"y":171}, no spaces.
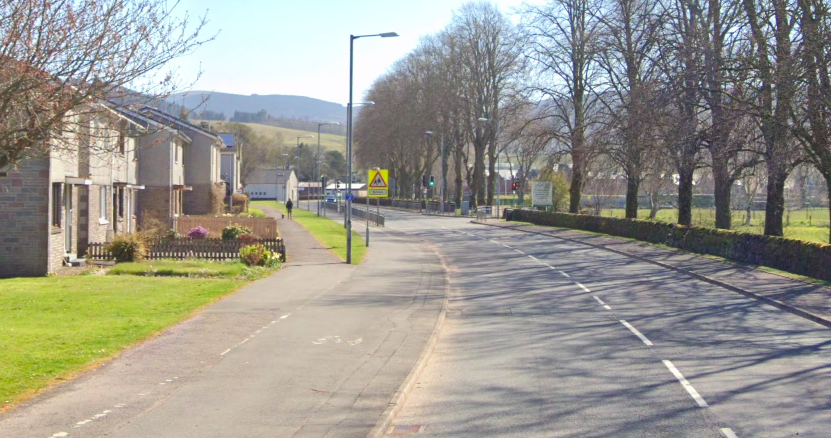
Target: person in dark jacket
{"x":289,"y":205}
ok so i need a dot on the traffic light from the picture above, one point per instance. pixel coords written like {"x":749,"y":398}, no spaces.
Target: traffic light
{"x":432,"y":183}
{"x":424,"y":180}
{"x":513,"y":186}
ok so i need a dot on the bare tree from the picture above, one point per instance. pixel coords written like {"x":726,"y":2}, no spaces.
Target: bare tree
{"x":58,"y":56}
{"x":564,"y":40}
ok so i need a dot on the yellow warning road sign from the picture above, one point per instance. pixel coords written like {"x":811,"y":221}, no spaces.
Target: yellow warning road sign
{"x":378,"y":183}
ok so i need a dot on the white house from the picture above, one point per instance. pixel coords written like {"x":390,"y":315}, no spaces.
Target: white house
{"x":270,"y":183}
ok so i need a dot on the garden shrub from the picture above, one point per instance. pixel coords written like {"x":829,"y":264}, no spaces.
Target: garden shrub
{"x":170,"y":235}
{"x":258,"y":255}
{"x":233,"y":231}
{"x":198,"y":232}
{"x":247,"y":239}
{"x":797,"y":256}
{"x":128,"y":248}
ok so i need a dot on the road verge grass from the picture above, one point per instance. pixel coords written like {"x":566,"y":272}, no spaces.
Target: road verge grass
{"x":330,"y":233}
{"x":190,"y":268}
{"x":53,"y":328}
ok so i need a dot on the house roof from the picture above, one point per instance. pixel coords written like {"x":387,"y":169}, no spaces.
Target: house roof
{"x":150,"y":123}
{"x":175,"y":122}
{"x":269,"y":176}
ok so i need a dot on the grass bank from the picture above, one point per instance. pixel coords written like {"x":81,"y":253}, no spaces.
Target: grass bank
{"x":330,"y":233}
{"x":52,"y":328}
{"x":190,"y":268}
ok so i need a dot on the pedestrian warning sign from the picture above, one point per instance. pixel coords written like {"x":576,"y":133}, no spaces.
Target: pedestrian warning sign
{"x":378,"y":183}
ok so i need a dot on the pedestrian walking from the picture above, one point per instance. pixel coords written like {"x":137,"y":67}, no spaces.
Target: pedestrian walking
{"x":289,"y":205}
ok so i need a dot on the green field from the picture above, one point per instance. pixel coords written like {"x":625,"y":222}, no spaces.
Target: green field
{"x":52,"y":328}
{"x":327,"y":141}
{"x":330,"y":233}
{"x":808,"y":224}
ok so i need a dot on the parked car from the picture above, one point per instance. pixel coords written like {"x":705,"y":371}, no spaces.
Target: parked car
{"x":330,"y":198}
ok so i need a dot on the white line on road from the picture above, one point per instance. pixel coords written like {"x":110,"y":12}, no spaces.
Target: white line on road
{"x":59,"y":435}
{"x":532,"y":257}
{"x":728,"y":433}
{"x":285,"y":316}
{"x":494,"y":241}
{"x":519,"y":251}
{"x":698,"y":399}
{"x":637,"y":333}
{"x":506,"y":246}
{"x":581,"y":286}
{"x":564,"y":274}
{"x":606,"y":306}
{"x":599,"y":301}
{"x":225,"y":352}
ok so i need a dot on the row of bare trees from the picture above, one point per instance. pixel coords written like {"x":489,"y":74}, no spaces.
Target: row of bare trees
{"x":660,"y":88}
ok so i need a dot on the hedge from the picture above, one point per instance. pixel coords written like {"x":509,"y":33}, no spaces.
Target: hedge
{"x":796,"y":256}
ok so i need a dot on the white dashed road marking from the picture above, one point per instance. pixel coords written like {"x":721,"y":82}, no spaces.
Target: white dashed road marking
{"x":581,"y":286}
{"x":599,"y":301}
{"x":564,"y":274}
{"x":698,"y":399}
{"x":728,"y":433}
{"x":637,"y":333}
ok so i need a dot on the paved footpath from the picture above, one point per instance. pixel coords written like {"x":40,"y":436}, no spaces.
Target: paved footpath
{"x":318,"y":349}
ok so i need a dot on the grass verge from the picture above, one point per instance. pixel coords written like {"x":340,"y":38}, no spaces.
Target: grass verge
{"x":330,"y":233}
{"x":52,"y":328}
{"x":190,"y":268}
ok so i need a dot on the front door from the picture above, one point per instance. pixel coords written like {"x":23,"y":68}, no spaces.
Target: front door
{"x":68,"y":211}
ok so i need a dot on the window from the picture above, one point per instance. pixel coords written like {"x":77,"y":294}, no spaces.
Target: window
{"x":57,"y":204}
{"x":102,"y":201}
{"x":122,"y":143}
{"x":176,"y":153}
{"x":120,"y":203}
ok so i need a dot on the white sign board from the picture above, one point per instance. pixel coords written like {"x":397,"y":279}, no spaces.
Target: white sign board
{"x":542,"y":193}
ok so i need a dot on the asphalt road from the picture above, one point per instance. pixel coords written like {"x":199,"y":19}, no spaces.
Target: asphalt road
{"x":546,"y":338}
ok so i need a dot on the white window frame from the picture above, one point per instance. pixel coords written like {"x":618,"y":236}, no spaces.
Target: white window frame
{"x":103,"y":196}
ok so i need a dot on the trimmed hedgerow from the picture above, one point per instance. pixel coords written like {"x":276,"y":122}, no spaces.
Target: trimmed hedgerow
{"x":796,"y":256}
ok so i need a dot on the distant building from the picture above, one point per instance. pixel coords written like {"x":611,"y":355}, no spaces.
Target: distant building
{"x":269,"y":183}
{"x":231,"y":161}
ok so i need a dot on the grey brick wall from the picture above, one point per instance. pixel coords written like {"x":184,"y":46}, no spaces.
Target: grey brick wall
{"x":204,"y":199}
{"x":153,"y":202}
{"x":24,"y":220}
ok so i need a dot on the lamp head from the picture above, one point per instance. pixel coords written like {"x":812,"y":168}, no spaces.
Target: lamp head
{"x":387,"y":34}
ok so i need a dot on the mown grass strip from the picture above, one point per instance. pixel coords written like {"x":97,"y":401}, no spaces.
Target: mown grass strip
{"x":51,"y":328}
{"x":330,"y":233}
{"x":179,"y":268}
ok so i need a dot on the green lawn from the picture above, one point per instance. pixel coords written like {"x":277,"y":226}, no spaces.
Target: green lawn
{"x":52,"y":327}
{"x":809,"y":224}
{"x":255,"y":212}
{"x":180,"y":268}
{"x":330,"y":233}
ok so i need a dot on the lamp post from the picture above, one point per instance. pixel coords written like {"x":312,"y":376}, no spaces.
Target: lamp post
{"x":352,"y":39}
{"x":317,"y":162}
{"x":443,"y":188}
{"x":495,"y":177}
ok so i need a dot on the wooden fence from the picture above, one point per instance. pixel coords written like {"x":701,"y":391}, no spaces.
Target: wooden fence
{"x":209,"y":249}
{"x":262,"y":227}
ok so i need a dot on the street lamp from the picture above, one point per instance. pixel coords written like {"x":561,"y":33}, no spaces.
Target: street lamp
{"x":443,"y":187}
{"x":495,"y":177}
{"x":317,"y":162}
{"x":347,"y":217}
{"x":352,"y":39}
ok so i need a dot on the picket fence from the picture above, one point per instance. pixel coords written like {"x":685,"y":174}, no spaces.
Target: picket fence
{"x":209,"y":249}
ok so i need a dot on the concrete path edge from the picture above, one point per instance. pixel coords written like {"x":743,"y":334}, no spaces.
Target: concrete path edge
{"x":400,"y":397}
{"x":775,"y":303}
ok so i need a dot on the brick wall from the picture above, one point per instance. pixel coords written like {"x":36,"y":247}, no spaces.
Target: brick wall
{"x":153,"y":202}
{"x":24,"y":220}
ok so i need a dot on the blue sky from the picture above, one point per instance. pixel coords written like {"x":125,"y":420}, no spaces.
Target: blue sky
{"x":302,"y":47}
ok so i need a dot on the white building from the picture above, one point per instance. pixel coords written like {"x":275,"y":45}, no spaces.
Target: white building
{"x":277,"y":184}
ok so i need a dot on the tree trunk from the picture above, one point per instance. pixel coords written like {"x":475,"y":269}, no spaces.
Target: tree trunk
{"x":632,"y":186}
{"x":775,"y":208}
{"x":457,"y":167}
{"x":479,"y":175}
{"x":491,"y":179}
{"x":655,"y":203}
{"x":685,"y":196}
{"x":577,"y":180}
{"x":723,"y":185}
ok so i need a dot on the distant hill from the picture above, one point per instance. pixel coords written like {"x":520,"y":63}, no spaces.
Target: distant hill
{"x":276,"y":105}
